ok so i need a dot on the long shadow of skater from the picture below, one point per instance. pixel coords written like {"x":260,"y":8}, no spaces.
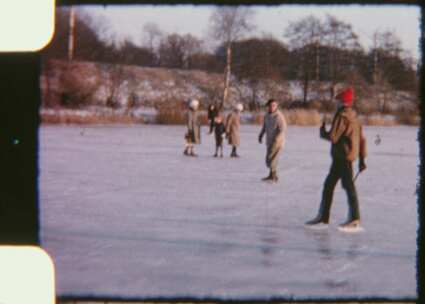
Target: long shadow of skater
{"x":321,"y":240}
{"x":269,"y":240}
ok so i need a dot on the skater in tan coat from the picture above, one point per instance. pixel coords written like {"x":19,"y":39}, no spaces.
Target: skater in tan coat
{"x":274,"y":126}
{"x":233,"y":123}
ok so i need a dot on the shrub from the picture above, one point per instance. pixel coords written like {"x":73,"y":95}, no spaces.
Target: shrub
{"x":76,"y":90}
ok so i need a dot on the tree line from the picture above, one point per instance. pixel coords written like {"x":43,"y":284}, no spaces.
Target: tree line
{"x":316,"y":51}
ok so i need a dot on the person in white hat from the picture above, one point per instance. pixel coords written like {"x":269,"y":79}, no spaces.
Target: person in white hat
{"x":193,"y":134}
{"x":233,"y":123}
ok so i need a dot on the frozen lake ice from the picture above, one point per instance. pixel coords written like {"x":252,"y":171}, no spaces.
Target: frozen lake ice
{"x":124,"y":214}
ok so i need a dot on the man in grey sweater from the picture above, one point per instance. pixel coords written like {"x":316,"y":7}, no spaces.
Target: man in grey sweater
{"x":274,"y":127}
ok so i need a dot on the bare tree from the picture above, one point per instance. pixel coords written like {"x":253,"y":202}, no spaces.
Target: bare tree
{"x":171,"y":51}
{"x":177,"y":51}
{"x":393,"y":67}
{"x":256,"y":62}
{"x":384,"y":44}
{"x":191,"y":46}
{"x":228,"y":24}
{"x":305,"y":36}
{"x":389,"y":43}
{"x":340,"y":39}
{"x":152,"y":36}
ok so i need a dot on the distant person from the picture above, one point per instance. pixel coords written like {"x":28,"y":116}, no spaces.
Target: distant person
{"x":347,"y":143}
{"x":212,"y":114}
{"x":193,"y":135}
{"x":233,"y":123}
{"x":219,"y":132}
{"x":274,"y":126}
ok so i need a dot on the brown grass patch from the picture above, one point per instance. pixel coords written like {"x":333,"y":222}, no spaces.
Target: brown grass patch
{"x":88,"y":119}
{"x":409,"y":119}
{"x":176,"y":117}
{"x":301,"y":117}
{"x":257,"y":118}
{"x":170,"y":117}
{"x":378,"y":120}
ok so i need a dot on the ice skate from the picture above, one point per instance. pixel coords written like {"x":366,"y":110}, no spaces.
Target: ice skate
{"x":186,"y":152}
{"x":316,"y":223}
{"x":271,"y":178}
{"x":350,"y":226}
{"x":215,"y":155}
{"x":267,"y":178}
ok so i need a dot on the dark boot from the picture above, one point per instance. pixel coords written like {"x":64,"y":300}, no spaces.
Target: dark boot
{"x":317,"y":222}
{"x":234,"y":154}
{"x":186,"y":151}
{"x":268,"y":178}
{"x":272,"y":178}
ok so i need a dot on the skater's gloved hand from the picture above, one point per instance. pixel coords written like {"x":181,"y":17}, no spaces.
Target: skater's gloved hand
{"x":260,"y":139}
{"x":323,"y":130}
{"x":223,"y":135}
{"x":362,"y":165}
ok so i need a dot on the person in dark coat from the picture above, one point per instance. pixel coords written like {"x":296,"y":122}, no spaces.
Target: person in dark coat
{"x":212,"y":114}
{"x":219,"y":132}
{"x":347,"y":143}
{"x":193,"y":134}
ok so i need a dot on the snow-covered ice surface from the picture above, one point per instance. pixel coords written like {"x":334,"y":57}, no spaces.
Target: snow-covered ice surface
{"x":125,"y":214}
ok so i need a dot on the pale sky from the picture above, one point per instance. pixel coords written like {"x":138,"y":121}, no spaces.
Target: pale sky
{"x":128,"y":20}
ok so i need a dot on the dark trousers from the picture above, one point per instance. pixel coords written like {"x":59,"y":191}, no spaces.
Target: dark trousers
{"x":212,"y":123}
{"x":340,"y":169}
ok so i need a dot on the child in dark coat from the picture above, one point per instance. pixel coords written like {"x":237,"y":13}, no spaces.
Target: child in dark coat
{"x":219,"y":131}
{"x":212,"y":114}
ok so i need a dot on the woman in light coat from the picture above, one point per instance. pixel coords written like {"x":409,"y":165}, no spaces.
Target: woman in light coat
{"x":233,"y":123}
{"x":193,"y":135}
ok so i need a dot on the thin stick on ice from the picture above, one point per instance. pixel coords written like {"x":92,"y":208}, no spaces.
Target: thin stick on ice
{"x":355,"y":177}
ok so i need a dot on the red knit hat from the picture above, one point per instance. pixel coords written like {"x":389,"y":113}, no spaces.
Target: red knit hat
{"x":346,"y":97}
